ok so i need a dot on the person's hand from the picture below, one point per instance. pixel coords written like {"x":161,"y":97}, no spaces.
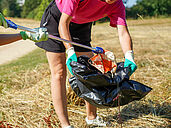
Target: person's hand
{"x":98,"y":50}
{"x":71,"y":57}
{"x":129,"y":61}
{"x":11,"y":24}
{"x":40,"y":35}
{"x":3,"y":21}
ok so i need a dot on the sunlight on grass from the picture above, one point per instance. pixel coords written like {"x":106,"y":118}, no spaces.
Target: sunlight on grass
{"x":25,"y":83}
{"x":10,"y":72}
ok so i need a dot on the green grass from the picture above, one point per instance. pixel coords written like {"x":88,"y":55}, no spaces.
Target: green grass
{"x":28,"y":61}
{"x":8,"y":72}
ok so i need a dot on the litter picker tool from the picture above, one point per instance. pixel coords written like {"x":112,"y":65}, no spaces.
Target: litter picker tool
{"x":15,"y":26}
{"x":104,"y":60}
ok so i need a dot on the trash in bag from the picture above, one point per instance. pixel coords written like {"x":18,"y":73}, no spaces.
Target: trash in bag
{"x":105,"y":90}
{"x":104,"y":62}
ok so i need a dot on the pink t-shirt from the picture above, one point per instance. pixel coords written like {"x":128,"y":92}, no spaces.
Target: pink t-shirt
{"x":84,"y":11}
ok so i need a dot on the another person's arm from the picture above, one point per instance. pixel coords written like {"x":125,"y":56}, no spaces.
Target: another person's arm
{"x":41,"y":34}
{"x":9,"y":38}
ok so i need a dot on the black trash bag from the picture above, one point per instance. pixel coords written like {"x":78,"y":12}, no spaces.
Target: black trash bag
{"x":105,"y":90}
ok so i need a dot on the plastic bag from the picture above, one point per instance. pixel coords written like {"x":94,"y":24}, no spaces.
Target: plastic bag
{"x":104,"y":90}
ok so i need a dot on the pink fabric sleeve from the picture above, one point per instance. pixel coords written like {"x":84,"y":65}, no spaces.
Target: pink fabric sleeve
{"x":118,"y":17}
{"x":70,"y":6}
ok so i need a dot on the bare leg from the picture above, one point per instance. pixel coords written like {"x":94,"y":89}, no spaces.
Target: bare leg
{"x":90,"y":109}
{"x":58,"y":85}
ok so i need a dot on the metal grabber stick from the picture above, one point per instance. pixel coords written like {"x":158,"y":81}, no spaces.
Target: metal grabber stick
{"x":70,"y":42}
{"x":55,"y":37}
{"x":15,"y":26}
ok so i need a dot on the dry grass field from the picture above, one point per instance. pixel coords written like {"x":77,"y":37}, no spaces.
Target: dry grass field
{"x":27,"y":104}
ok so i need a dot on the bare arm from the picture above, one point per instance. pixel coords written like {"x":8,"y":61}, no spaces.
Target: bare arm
{"x":64,"y":28}
{"x":125,"y":38}
{"x":9,"y":38}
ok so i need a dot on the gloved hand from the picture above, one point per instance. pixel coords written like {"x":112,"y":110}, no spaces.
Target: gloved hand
{"x":11,"y":24}
{"x":40,"y":35}
{"x":129,"y":61}
{"x":3,"y":21}
{"x":71,"y":57}
{"x":98,"y":50}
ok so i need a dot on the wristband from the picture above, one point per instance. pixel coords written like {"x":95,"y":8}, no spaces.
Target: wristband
{"x":70,"y":51}
{"x":130,"y":55}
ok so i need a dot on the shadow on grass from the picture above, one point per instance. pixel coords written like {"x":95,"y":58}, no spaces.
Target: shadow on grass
{"x":137,"y":109}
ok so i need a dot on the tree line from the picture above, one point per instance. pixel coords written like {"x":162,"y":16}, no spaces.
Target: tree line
{"x":34,"y":9}
{"x":150,"y":8}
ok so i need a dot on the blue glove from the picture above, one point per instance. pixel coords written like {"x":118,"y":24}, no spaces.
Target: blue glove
{"x":71,"y":57}
{"x":11,"y":24}
{"x":98,"y":50}
{"x":129,"y":61}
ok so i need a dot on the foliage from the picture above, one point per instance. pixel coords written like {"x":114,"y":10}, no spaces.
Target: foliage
{"x":37,"y":12}
{"x":29,"y":6}
{"x":0,"y":6}
{"x":33,"y":13}
{"x":41,"y":9}
{"x":10,"y":8}
{"x":6,"y":11}
{"x":34,"y":9}
{"x":150,"y":8}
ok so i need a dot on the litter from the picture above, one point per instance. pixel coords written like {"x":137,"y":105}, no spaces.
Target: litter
{"x":104,"y":62}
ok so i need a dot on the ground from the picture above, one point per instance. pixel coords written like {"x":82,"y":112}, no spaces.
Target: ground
{"x":17,"y":49}
{"x":28,"y":103}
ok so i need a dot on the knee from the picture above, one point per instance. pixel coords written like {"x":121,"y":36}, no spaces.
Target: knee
{"x":58,"y":74}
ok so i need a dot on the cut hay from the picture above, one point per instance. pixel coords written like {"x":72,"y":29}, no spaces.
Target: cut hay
{"x":28,"y":103}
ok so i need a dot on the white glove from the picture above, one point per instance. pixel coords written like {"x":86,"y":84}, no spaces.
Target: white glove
{"x":129,"y":61}
{"x":40,"y":35}
{"x":71,"y":57}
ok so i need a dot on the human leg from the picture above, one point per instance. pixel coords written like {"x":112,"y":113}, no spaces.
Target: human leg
{"x":90,"y":109}
{"x":58,"y":85}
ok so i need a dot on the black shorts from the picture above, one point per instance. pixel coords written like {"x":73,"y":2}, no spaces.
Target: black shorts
{"x":80,"y":33}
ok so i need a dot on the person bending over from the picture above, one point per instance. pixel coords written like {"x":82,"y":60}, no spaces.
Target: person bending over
{"x":72,"y":20}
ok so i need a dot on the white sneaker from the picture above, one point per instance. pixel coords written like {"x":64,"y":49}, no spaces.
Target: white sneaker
{"x":69,"y":126}
{"x":97,"y":121}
